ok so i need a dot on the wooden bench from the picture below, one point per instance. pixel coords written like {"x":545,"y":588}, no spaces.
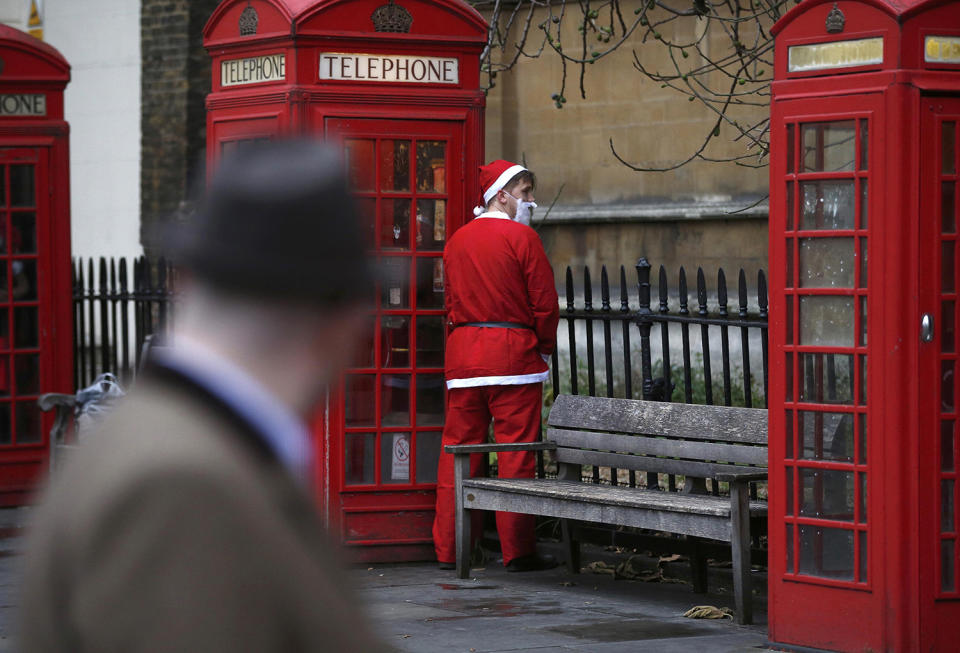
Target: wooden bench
{"x":698,"y":442}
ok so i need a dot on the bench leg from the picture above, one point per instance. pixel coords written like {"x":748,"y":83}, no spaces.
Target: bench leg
{"x":740,"y":545}
{"x":461,"y":470}
{"x":571,"y":546}
{"x":698,"y":566}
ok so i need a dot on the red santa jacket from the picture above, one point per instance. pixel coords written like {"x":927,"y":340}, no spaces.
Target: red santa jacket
{"x":495,"y":270}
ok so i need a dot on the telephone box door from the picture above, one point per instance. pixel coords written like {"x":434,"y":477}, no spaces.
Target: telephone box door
{"x":386,"y":421}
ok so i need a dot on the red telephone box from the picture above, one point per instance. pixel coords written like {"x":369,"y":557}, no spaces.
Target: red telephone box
{"x":397,"y":86}
{"x":36,"y":302}
{"x":864,"y":431}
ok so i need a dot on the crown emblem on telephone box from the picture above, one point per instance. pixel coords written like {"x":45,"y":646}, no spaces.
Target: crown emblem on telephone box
{"x":248,"y":21}
{"x":391,"y":18}
{"x":835,"y":20}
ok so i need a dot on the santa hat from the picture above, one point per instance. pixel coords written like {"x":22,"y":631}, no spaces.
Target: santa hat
{"x":493,"y":177}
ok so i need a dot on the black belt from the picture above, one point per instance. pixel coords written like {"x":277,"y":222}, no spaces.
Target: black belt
{"x":495,"y":325}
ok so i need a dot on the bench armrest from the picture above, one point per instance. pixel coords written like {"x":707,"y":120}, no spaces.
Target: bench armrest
{"x":487,"y":448}
{"x":746,"y":476}
{"x":53,"y":400}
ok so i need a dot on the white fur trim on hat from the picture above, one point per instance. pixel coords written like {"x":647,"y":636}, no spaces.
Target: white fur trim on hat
{"x":501,"y":181}
{"x":478,"y":210}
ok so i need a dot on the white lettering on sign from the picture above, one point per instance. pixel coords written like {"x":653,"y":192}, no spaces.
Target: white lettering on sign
{"x":941,"y":49}
{"x":253,"y":70}
{"x":27,"y":104}
{"x":389,"y":68}
{"x":838,"y":54}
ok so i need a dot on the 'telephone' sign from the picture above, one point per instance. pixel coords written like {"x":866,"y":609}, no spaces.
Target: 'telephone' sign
{"x":23,"y":104}
{"x":941,"y":49}
{"x":389,"y":68}
{"x":253,"y":70}
{"x":837,"y":54}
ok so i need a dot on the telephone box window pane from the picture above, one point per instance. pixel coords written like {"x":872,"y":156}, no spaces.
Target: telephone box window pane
{"x":947,"y":573}
{"x":948,"y":146}
{"x":28,"y":423}
{"x":790,"y":207}
{"x":395,"y":400}
{"x":864,"y":268}
{"x":360,"y":400}
{"x":948,"y":269}
{"x":24,"y":326}
{"x":946,"y":386}
{"x":432,"y":166}
{"x":3,"y":232}
{"x":431,"y":224}
{"x":395,"y":347}
{"x":946,"y":506}
{"x":4,"y":376}
{"x":27,"y":372}
{"x":395,"y":286}
{"x":826,"y":436}
{"x":826,"y":494}
{"x":946,"y":446}
{"x":790,"y":151}
{"x":24,"y":280}
{"x":827,"y":378}
{"x":789,"y":490}
{"x":430,"y":341}
{"x":826,"y":552}
{"x":948,"y":204}
{"x":827,"y":205}
{"x":365,"y":354}
{"x":430,"y":283}
{"x":430,"y":399}
{"x":367,"y":214}
{"x":22,"y":191}
{"x":789,"y":375}
{"x":395,"y":458}
{"x":789,"y":302}
{"x":790,"y":568}
{"x":5,"y":432}
{"x":359,"y":458}
{"x":863,"y":322}
{"x":862,"y":456}
{"x":24,"y":236}
{"x":862,"y":537}
{"x":789,"y":275}
{"x":864,"y":204}
{"x":862,"y":478}
{"x":827,"y":262}
{"x":428,"y":456}
{"x":826,"y":321}
{"x":864,"y":146}
{"x":395,"y":224}
{"x":358,"y":156}
{"x":395,"y":165}
{"x":863,"y":380}
{"x":949,"y":322}
{"x":829,"y":146}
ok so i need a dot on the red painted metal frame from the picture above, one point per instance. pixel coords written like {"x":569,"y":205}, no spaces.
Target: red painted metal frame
{"x":32,"y":66}
{"x":398,"y":519}
{"x":899,"y":607}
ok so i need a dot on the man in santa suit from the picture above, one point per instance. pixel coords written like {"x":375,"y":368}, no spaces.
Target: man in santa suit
{"x":502,"y":313}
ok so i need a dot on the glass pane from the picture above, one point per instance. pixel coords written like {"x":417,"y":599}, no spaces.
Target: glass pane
{"x":826,"y":494}
{"x":395,"y":286}
{"x":863,"y":322}
{"x":790,"y":568}
{"x":827,"y":378}
{"x":862,"y":537}
{"x":365,"y":354}
{"x":947,"y":571}
{"x":4,"y":376}
{"x":24,"y":236}
{"x":826,"y":321}
{"x":946,"y":445}
{"x":3,"y":232}
{"x":827,"y":205}
{"x":863,"y":498}
{"x":359,"y":461}
{"x":791,"y":148}
{"x":27,"y":373}
{"x":24,"y":326}
{"x":6,"y":436}
{"x":428,"y":456}
{"x":825,"y":436}
{"x":948,"y":330}
{"x":789,"y":375}
{"x":948,"y":207}
{"x":864,"y":205}
{"x":395,"y":224}
{"x":395,"y":458}
{"x":430,"y":399}
{"x":22,"y":192}
{"x":790,"y":207}
{"x":395,"y":400}
{"x":863,"y":380}
{"x":828,"y":146}
{"x":948,"y":270}
{"x":431,"y":224}
{"x":367,"y":214}
{"x":864,"y":145}
{"x":24,"y":280}
{"x":395,"y":347}
{"x":862,"y":456}
{"x":3,"y":186}
{"x":826,"y":552}
{"x":789,"y":275}
{"x":395,"y":165}
{"x":948,"y":146}
{"x":789,"y":301}
{"x":28,"y":423}
{"x":4,"y":330}
{"x":946,"y":386}
{"x":430,"y":341}
{"x":431,"y":166}
{"x":826,"y":262}
{"x":430,"y":283}
{"x":360,"y":402}
{"x":358,"y":157}
{"x":864,"y":268}
{"x":946,"y":506}
{"x":789,"y":490}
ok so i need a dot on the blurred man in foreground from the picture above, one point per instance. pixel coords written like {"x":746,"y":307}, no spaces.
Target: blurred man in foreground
{"x":186,"y":524}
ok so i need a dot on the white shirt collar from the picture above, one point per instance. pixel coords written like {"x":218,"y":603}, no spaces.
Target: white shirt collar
{"x":282,"y":430}
{"x":500,"y":215}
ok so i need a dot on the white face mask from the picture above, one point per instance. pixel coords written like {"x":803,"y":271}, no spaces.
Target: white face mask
{"x":524,"y":214}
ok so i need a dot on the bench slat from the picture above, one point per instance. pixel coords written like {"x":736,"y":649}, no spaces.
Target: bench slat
{"x":638,"y":444}
{"x":695,"y":422}
{"x":645,"y":463}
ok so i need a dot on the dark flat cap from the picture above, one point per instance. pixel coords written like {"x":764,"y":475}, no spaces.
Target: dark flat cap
{"x":277,"y":221}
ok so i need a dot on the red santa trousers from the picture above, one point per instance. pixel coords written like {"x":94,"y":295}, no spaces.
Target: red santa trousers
{"x":515,"y":410}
